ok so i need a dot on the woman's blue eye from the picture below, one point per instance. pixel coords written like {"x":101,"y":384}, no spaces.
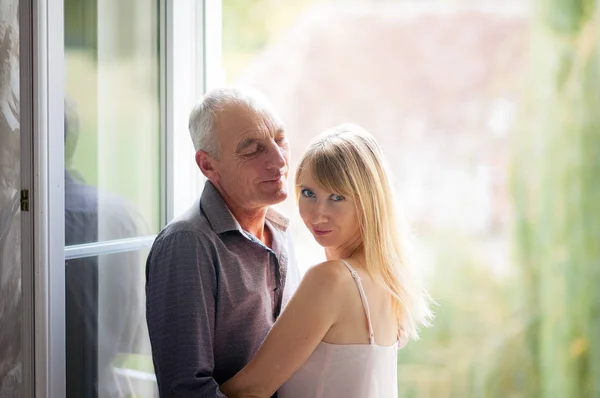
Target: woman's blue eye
{"x":307,"y":193}
{"x":337,"y":198}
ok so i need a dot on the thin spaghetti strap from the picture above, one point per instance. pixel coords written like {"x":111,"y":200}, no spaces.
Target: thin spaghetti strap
{"x":363,"y":298}
{"x":402,"y":338}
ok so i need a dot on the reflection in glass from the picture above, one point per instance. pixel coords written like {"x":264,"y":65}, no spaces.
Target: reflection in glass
{"x":10,"y":216}
{"x":108,"y":351}
{"x":112,"y":191}
{"x":104,"y":295}
{"x":112,"y":141}
{"x":93,"y":214}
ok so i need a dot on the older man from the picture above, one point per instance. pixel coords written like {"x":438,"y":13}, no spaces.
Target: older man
{"x":218,"y":277}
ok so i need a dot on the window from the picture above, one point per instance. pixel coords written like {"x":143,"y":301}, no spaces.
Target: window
{"x":438,"y":88}
{"x":13,"y":280}
{"x":132,"y":77}
{"x":113,"y":189}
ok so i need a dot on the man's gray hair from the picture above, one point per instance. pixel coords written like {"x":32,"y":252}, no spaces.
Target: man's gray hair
{"x":203,"y":118}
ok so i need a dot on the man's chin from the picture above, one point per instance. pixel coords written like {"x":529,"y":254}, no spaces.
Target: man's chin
{"x":280,"y":196}
{"x":275,"y":197}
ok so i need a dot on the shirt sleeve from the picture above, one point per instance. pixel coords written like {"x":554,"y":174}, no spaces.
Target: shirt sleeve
{"x":180,"y":312}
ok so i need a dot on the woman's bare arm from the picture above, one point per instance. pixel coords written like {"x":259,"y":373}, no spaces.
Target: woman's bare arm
{"x":301,"y":326}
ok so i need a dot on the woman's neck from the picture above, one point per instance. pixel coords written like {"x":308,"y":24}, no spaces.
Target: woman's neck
{"x":352,"y":250}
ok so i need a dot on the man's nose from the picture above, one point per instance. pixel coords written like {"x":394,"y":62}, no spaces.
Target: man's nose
{"x":276,"y":156}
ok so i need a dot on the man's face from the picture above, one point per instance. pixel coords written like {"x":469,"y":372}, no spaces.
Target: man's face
{"x":252,"y":166}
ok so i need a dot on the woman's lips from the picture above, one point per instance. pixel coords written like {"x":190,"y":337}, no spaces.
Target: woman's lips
{"x":321,"y":232}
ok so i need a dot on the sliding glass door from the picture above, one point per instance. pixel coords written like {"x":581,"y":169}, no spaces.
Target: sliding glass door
{"x":112,"y":137}
{"x":113,"y":86}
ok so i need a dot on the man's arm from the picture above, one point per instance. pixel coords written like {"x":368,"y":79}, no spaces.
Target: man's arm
{"x":180,"y":311}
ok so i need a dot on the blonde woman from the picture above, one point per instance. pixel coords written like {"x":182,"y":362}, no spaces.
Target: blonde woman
{"x":339,"y":334}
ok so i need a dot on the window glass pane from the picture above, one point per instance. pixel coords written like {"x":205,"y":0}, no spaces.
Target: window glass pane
{"x":108,"y":350}
{"x":11,"y":308}
{"x":112,"y":190}
{"x":112,"y":120}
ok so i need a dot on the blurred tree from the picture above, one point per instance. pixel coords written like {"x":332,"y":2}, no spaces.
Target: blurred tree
{"x":245,"y":24}
{"x":249,"y":25}
{"x":557,"y":199}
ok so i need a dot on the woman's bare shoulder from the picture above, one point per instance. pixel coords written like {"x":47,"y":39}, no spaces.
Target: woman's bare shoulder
{"x":331,"y":274}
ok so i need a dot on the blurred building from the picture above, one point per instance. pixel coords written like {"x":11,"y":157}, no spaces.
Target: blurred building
{"x":437,"y":86}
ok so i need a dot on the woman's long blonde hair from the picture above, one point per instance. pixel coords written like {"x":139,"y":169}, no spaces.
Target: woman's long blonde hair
{"x":348,"y":161}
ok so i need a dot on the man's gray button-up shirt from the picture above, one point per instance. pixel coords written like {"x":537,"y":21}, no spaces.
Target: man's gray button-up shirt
{"x":213,"y":292}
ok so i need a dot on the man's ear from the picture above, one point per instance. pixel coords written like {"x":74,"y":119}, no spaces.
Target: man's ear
{"x":206,"y":164}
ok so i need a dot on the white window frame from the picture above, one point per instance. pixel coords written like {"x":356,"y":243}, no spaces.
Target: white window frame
{"x":188,"y":67}
{"x":196,"y":68}
{"x":48,"y":198}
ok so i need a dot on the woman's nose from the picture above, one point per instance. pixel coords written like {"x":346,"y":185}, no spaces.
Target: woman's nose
{"x":319,"y":214}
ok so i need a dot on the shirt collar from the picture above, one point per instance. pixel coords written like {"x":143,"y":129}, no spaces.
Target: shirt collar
{"x":222,"y":220}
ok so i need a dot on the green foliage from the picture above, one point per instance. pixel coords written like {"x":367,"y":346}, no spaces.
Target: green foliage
{"x":249,"y":25}
{"x":472,"y":311}
{"x":245,"y":24}
{"x":566,"y":16}
{"x":557,"y":192}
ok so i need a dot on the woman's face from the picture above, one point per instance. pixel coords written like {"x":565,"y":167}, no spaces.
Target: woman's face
{"x":330,"y":217}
